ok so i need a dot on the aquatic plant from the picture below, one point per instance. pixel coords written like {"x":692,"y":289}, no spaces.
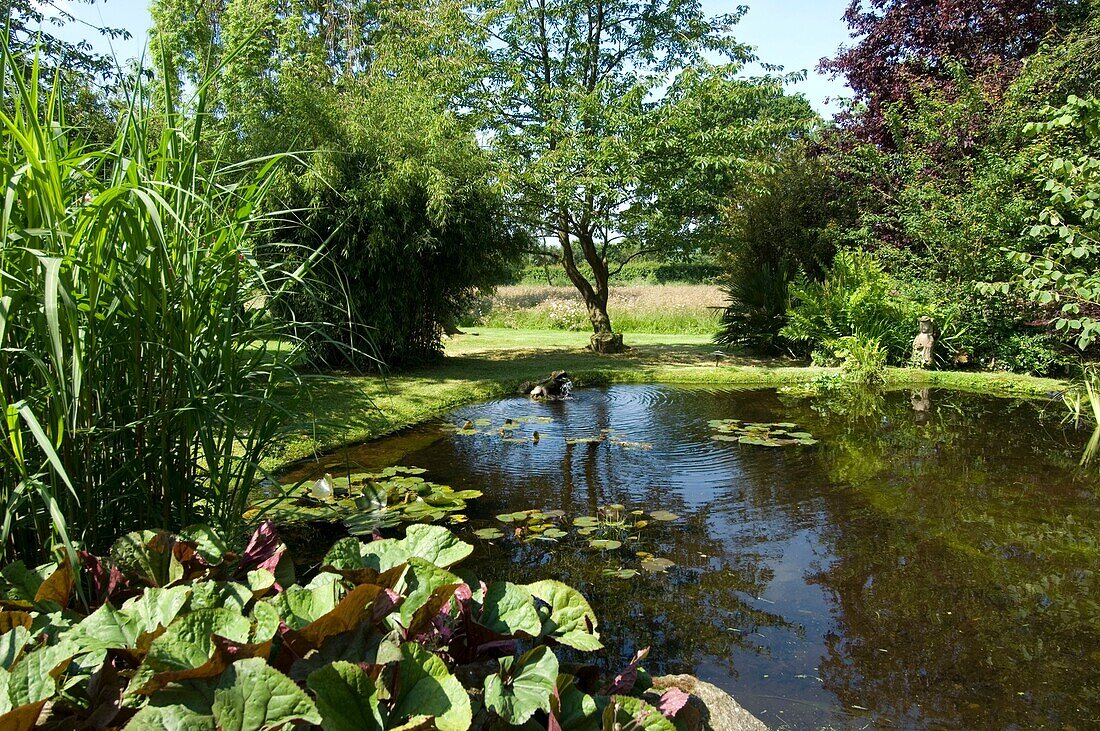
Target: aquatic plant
{"x":778,"y":434}
{"x":177,"y":630}
{"x":367,"y":501}
{"x":611,"y":528}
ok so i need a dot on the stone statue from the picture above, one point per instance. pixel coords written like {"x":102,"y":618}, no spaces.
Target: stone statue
{"x":924,"y":342}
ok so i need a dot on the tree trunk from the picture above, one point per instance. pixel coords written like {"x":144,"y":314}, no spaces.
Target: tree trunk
{"x":604,"y":340}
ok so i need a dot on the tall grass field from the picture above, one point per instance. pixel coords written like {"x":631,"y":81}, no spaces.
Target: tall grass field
{"x":688,"y":309}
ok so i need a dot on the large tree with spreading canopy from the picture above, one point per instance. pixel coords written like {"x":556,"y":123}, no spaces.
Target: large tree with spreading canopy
{"x":618,"y":124}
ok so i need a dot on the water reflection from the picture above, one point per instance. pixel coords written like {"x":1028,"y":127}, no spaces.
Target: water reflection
{"x":931,"y":563}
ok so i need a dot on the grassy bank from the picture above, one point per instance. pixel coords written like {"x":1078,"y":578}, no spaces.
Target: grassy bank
{"x":659,"y":308}
{"x":488,"y":363}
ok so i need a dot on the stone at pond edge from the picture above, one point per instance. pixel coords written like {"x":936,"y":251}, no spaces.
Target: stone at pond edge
{"x":607,"y":342}
{"x":709,"y":709}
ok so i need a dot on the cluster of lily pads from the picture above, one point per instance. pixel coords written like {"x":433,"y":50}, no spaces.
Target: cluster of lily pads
{"x":610,"y":436}
{"x":510,"y":430}
{"x":178,"y":631}
{"x":513,"y":430}
{"x":367,"y":501}
{"x":612,"y":528}
{"x":760,"y":434}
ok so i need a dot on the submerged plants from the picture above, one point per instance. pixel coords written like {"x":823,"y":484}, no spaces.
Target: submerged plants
{"x":177,"y":630}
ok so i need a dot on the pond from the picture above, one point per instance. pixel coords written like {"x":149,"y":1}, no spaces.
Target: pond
{"x":930,"y":562}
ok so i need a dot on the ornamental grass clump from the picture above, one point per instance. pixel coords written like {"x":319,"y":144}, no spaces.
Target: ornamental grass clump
{"x":136,"y":371}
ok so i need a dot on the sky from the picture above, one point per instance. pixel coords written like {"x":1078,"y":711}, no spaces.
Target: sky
{"x":795,"y":34}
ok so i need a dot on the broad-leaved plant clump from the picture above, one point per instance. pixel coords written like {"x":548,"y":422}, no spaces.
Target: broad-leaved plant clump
{"x":177,"y":630}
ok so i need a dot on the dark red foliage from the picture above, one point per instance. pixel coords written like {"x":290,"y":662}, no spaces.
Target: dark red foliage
{"x":904,"y":46}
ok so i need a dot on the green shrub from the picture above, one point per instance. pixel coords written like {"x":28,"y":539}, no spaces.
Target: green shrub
{"x":176,"y":630}
{"x":855,"y":299}
{"x":756,"y":309}
{"x":412,"y":230}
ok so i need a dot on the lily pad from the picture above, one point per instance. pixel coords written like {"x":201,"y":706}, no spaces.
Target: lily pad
{"x":621,"y":573}
{"x":657,"y":565}
{"x":663,"y":515}
{"x":605,"y":544}
{"x":488,"y":534}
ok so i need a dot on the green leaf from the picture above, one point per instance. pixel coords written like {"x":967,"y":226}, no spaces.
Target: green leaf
{"x":188,"y":642}
{"x":418,"y":584}
{"x":432,"y":543}
{"x":157,"y":607}
{"x":300,"y":605}
{"x":12,"y":644}
{"x":253,"y":696}
{"x":426,"y":687}
{"x":177,"y":717}
{"x":347,"y":698}
{"x":574,"y":709}
{"x":567,"y":618}
{"x":509,"y":610}
{"x":106,"y":628}
{"x":522,"y":686}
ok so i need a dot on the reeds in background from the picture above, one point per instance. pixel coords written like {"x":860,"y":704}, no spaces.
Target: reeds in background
{"x":137,"y":386}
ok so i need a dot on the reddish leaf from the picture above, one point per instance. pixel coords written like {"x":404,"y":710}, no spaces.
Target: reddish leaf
{"x":672,"y":702}
{"x":624,"y":681}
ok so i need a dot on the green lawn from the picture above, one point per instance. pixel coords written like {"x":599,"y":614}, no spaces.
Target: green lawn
{"x":486,"y":363}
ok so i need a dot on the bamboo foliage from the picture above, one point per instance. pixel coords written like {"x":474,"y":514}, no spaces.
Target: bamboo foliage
{"x":136,"y":379}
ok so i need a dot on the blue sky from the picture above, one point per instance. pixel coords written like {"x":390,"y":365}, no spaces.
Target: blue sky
{"x":795,"y":34}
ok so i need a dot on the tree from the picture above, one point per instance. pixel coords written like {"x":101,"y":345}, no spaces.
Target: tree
{"x":392,"y":184}
{"x":607,"y":119}
{"x":918,"y":45}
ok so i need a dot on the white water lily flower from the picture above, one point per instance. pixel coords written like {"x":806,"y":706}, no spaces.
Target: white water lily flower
{"x":322,"y":489}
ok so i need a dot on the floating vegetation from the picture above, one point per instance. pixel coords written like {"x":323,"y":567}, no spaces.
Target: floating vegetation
{"x":610,"y":436}
{"x":509,"y":430}
{"x":777,"y":434}
{"x":366,"y":501}
{"x":535,"y":525}
{"x":612,"y":528}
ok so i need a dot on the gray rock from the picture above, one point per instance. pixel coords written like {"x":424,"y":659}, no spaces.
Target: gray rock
{"x":710,"y":708}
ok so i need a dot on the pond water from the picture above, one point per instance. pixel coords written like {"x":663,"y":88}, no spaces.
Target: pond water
{"x":930,"y":563}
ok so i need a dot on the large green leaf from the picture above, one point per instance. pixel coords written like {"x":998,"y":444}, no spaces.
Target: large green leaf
{"x":567,"y":618}
{"x":510,"y":610}
{"x":347,"y":698}
{"x":522,"y":686}
{"x":171,"y":718}
{"x":432,"y":543}
{"x":106,"y":628}
{"x":188,"y":642}
{"x":427,"y":688}
{"x":418,"y":584}
{"x":253,"y":696}
{"x":34,"y":677}
{"x":299,"y":605}
{"x":157,"y":607}
{"x":144,"y":555}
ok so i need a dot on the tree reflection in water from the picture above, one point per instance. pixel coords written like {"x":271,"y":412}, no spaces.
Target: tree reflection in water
{"x":931,"y":563}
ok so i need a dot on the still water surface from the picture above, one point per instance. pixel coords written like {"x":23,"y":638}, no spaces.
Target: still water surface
{"x":931,"y":563}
